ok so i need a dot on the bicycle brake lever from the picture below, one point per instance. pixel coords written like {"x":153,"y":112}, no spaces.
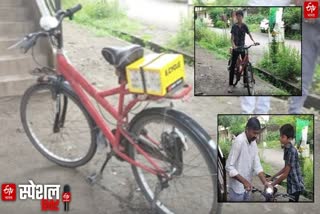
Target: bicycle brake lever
{"x":15,"y":45}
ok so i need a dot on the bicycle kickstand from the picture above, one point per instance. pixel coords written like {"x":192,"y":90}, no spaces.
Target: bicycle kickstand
{"x":94,"y":177}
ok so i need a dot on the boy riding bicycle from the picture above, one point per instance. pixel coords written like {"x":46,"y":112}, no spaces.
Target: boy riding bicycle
{"x":238,"y":33}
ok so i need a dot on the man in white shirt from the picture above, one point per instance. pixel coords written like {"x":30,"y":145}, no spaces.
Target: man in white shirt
{"x":244,"y":162}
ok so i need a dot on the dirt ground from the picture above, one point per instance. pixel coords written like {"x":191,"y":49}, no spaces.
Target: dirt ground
{"x":212,"y":77}
{"x":118,"y":193}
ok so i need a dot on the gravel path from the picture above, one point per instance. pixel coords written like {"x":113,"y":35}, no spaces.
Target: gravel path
{"x":212,"y":77}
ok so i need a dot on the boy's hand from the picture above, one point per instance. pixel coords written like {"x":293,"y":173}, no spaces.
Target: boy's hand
{"x":270,"y":178}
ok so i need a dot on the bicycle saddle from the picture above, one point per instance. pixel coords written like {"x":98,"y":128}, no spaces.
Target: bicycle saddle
{"x":120,"y":57}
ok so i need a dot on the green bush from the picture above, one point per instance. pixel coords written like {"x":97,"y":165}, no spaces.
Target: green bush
{"x":272,"y":136}
{"x":184,"y":39}
{"x":220,"y":24}
{"x":254,"y":18}
{"x":307,"y":173}
{"x":254,"y":27}
{"x":316,"y":79}
{"x":216,"y":42}
{"x":225,"y":147}
{"x":286,"y":64}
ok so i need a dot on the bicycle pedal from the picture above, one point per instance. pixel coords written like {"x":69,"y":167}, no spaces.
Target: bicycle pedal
{"x":93,"y":178}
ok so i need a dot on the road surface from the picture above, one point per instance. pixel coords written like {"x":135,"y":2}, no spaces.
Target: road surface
{"x":164,"y":14}
{"x":212,"y":77}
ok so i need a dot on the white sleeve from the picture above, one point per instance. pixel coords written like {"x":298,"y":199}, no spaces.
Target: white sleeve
{"x":232,"y":159}
{"x":257,"y":164}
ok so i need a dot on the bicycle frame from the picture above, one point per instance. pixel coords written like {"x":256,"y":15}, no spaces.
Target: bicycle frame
{"x":241,"y":61}
{"x":80,"y":85}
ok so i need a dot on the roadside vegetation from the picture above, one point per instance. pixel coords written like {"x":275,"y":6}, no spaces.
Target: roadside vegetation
{"x":184,"y":39}
{"x":215,"y":42}
{"x":316,"y":81}
{"x":102,"y":16}
{"x":286,"y":63}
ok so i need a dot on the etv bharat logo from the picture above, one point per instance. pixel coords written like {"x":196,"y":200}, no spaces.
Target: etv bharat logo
{"x":48,"y":194}
{"x":311,"y":9}
{"x":8,"y":192}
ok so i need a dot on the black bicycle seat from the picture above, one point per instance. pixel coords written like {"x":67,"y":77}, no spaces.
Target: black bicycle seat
{"x":120,"y":57}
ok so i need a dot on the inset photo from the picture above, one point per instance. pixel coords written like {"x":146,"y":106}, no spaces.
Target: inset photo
{"x":241,"y":51}
{"x":266,"y":158}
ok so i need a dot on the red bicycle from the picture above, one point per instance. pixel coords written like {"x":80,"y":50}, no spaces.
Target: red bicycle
{"x":173,"y":159}
{"x":243,"y":68}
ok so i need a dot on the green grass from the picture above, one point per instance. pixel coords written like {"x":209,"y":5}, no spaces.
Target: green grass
{"x":279,"y":92}
{"x":212,"y":41}
{"x":184,"y":38}
{"x":254,"y":27}
{"x":267,"y":168}
{"x":225,"y":147}
{"x":103,"y":16}
{"x":286,"y":63}
{"x":296,"y":36}
{"x":316,"y":83}
{"x":307,"y":173}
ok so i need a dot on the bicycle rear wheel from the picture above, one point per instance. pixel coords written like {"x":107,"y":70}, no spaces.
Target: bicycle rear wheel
{"x":58,"y":125}
{"x":181,"y":146}
{"x":250,"y":80}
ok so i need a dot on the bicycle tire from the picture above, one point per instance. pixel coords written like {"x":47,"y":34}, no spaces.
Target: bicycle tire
{"x":42,"y":89}
{"x":183,"y":122}
{"x":249,"y":80}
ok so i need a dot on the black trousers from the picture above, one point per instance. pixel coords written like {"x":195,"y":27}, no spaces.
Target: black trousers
{"x":296,"y":196}
{"x":234,"y":57}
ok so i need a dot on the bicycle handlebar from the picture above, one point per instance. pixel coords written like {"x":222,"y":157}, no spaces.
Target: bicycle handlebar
{"x":69,"y":12}
{"x":268,"y":194}
{"x":30,"y":40}
{"x":246,"y":47}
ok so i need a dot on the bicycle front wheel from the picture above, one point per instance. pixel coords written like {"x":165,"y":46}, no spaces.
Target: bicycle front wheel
{"x":170,"y":139}
{"x":58,"y":125}
{"x":250,"y":80}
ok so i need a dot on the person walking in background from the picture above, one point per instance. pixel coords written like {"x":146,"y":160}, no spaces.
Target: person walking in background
{"x":310,"y":50}
{"x":255,"y":105}
{"x":259,"y":104}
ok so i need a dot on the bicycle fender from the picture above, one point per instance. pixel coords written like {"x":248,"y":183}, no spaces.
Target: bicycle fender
{"x":61,"y":84}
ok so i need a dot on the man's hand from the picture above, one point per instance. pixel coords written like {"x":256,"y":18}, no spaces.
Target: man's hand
{"x":234,"y":47}
{"x":247,"y":186}
{"x":268,"y":185}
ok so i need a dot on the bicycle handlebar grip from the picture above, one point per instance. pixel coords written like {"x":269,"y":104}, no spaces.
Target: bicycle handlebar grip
{"x":29,"y":43}
{"x":73,"y":10}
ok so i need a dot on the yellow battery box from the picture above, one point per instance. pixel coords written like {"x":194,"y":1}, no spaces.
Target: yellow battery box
{"x":156,"y":74}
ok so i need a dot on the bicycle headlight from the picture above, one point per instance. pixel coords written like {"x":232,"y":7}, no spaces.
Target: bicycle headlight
{"x":269,"y":190}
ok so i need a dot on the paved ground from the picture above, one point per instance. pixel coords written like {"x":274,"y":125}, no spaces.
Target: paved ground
{"x":273,"y":157}
{"x":212,"y":77}
{"x":158,"y":25}
{"x":165,"y":14}
{"x":20,"y":161}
